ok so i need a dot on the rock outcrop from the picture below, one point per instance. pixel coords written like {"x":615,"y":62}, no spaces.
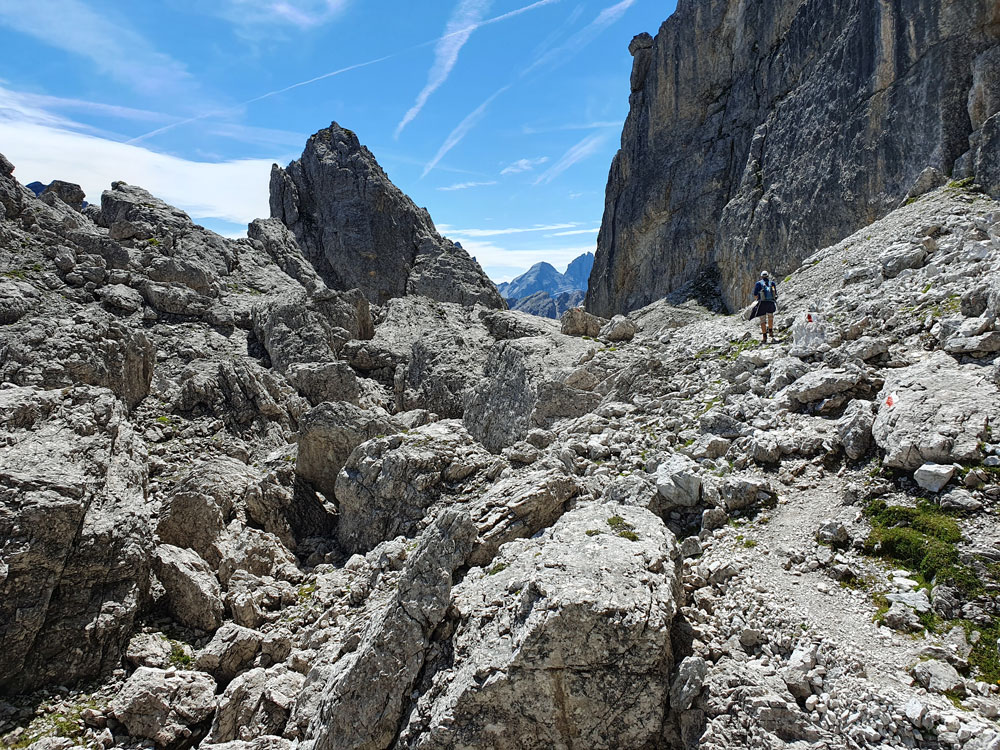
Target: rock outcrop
{"x":361,"y":232}
{"x":75,"y":536}
{"x":758,"y":134}
{"x":279,"y":516}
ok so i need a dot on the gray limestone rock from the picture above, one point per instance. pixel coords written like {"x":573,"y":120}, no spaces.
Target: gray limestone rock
{"x":389,"y":483}
{"x":563,"y":631}
{"x":94,"y":348}
{"x":784,"y":106}
{"x":230,"y":651}
{"x":939,"y":677}
{"x":192,"y":590}
{"x":688,"y":683}
{"x":133,"y":215}
{"x":75,"y":536}
{"x":16,"y":299}
{"x":280,"y":245}
{"x":121,"y":298}
{"x":366,"y":694}
{"x":677,"y":483}
{"x":934,"y":411}
{"x":11,"y":194}
{"x":237,"y":391}
{"x":254,"y":705}
{"x":361,"y":232}
{"x":821,"y":384}
{"x":577,"y":322}
{"x":164,"y":705}
{"x":524,"y":387}
{"x":933,"y":477}
{"x":327,"y":436}
{"x":855,"y":428}
{"x":618,"y":329}
{"x":312,"y":328}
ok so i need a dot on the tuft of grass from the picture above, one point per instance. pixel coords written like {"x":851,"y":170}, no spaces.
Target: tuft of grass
{"x":961,"y":184}
{"x":306,"y":591}
{"x":498,"y":568}
{"x":592,"y":532}
{"x":178,"y":656}
{"x":623,"y":528}
{"x":922,"y":539}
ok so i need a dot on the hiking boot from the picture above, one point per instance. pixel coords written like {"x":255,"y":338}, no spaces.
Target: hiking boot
{"x":770,"y":332}
{"x":764,"y":337}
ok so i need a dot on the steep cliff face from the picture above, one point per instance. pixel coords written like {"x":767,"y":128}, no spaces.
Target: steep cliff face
{"x":761,"y":131}
{"x":360,"y":231}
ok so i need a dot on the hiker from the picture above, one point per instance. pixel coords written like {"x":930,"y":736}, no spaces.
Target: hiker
{"x":765,"y":292}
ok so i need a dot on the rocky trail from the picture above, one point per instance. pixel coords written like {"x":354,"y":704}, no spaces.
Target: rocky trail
{"x":292,"y":491}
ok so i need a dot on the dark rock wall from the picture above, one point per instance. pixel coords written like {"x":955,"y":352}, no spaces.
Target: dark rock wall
{"x":759,"y":132}
{"x":362,"y":232}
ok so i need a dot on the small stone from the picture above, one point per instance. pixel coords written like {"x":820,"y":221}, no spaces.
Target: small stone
{"x":933,"y":477}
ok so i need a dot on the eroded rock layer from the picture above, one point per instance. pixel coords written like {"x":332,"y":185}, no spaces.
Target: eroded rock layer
{"x":759,"y":132}
{"x":362,"y":232}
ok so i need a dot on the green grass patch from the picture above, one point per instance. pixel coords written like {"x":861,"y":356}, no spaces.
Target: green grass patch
{"x":623,"y":528}
{"x":592,"y":532}
{"x":178,"y":656}
{"x":961,"y":184}
{"x":498,"y":568}
{"x":306,"y":592}
{"x":923,"y":539}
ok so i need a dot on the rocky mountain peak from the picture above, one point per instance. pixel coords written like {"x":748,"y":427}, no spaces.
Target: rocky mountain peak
{"x":757,"y":134}
{"x":360,"y":231}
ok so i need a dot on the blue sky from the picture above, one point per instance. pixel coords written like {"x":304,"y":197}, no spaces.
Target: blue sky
{"x":500,"y":116}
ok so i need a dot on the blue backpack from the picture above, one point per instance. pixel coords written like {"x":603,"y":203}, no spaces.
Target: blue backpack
{"x":767,"y":292}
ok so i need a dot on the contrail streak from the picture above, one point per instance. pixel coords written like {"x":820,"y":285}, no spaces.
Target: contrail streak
{"x":349,"y":68}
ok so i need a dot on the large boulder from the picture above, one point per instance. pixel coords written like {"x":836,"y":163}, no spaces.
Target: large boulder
{"x":561,"y":632}
{"x":389,"y":483}
{"x":192,"y":591}
{"x":75,"y":536}
{"x":93,"y":348}
{"x":256,"y":704}
{"x":361,"y":232}
{"x":165,"y":706}
{"x":238,"y":391}
{"x":524,"y":386}
{"x":368,"y":689}
{"x":327,"y":436}
{"x":935,"y":411}
{"x":311,"y":329}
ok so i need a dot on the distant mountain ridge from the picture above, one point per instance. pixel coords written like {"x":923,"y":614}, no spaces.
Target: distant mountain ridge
{"x":543,"y":277}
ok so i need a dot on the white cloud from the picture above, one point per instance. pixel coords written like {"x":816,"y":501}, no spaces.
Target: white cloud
{"x":582,"y":150}
{"x":557,"y":55}
{"x":112,"y":48}
{"x":235,"y":191}
{"x":498,"y":232}
{"x":462,"y":130}
{"x":304,"y":14}
{"x":460,"y":26}
{"x":466,"y":185}
{"x":572,"y":232}
{"x":524,"y":165}
{"x":575,"y":43}
{"x":533,"y":130}
{"x":491,"y":255}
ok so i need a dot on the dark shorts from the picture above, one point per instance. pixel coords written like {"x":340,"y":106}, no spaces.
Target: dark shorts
{"x":765,"y":308}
